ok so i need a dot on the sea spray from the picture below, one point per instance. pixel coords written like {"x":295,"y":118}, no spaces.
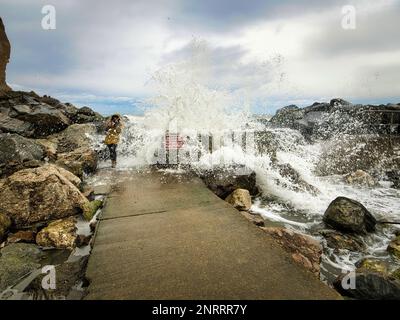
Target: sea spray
{"x":188,"y":106}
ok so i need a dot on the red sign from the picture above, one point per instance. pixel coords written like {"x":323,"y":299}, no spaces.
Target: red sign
{"x":173,"y":141}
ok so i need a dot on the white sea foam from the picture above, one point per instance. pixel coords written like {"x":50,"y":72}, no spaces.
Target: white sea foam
{"x":186,"y":105}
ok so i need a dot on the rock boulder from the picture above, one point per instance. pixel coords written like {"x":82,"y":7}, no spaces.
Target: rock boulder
{"x":17,"y":152}
{"x":60,"y":234}
{"x":348,"y":215}
{"x":44,"y":119}
{"x":37,"y":195}
{"x":369,"y":285}
{"x":240,"y":199}
{"x":16,"y":261}
{"x":223,"y":181}
{"x":90,"y":209}
{"x":74,"y":148}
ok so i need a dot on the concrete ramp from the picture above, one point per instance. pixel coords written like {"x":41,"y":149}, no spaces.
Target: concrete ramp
{"x":169,"y":237}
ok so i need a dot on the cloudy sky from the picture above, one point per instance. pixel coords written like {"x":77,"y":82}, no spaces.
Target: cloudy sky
{"x":105,"y":53}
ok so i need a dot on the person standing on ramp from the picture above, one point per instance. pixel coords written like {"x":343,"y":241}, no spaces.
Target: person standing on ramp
{"x":114,"y":128}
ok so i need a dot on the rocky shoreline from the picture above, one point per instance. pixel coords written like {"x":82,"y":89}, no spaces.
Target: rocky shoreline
{"x":46,"y":151}
{"x":44,"y":196}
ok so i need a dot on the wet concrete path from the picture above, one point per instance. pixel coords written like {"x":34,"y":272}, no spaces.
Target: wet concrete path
{"x":163,"y":236}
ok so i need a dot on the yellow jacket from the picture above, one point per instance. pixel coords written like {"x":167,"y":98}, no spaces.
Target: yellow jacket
{"x":113,"y":134}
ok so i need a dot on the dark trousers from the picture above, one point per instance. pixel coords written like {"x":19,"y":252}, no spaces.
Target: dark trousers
{"x":113,"y":151}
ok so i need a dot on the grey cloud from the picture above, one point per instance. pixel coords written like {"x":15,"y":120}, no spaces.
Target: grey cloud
{"x":228,"y":15}
{"x":375,"y":32}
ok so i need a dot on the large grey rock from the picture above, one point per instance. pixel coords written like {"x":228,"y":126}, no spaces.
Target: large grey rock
{"x":17,"y":152}
{"x":5,"y":49}
{"x":223,"y":181}
{"x":74,"y":137}
{"x":12,"y":125}
{"x":74,"y":148}
{"x":86,"y":115}
{"x":348,"y":215}
{"x":45,"y":119}
{"x":31,"y":196}
{"x":32,"y":116}
{"x":369,"y":285}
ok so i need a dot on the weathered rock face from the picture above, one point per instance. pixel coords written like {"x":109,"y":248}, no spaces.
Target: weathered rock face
{"x":90,"y":209}
{"x":5,"y":223}
{"x":224,"y":181}
{"x":340,"y":241}
{"x":240,"y":199}
{"x":17,"y":152}
{"x":49,"y":147}
{"x":86,"y":115}
{"x":16,"y":261}
{"x":347,"y":215}
{"x":361,"y":178}
{"x":5,"y":49}
{"x":22,"y":236}
{"x":304,"y":249}
{"x":74,"y":137}
{"x":395,"y":274}
{"x":80,"y":161}
{"x":324,"y":120}
{"x":60,"y":234}
{"x":288,"y":116}
{"x":74,"y":147}
{"x":45,"y":119}
{"x":394,"y":247}
{"x":33,"y":116}
{"x":13,"y":125}
{"x":372,"y":264}
{"x":255,"y":218}
{"x":36,"y":195}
